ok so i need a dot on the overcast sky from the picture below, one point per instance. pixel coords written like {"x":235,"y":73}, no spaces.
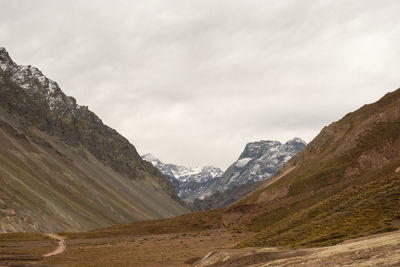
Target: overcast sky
{"x":193,"y":81}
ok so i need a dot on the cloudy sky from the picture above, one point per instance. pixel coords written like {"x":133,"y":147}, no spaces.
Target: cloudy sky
{"x":193,"y":81}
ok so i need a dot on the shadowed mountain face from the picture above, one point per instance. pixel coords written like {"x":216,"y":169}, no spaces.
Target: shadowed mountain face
{"x":62,"y":169}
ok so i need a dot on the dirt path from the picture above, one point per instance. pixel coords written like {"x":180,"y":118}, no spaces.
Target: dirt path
{"x":61,"y":245}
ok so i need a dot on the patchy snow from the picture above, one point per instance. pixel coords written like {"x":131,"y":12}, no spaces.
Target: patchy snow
{"x":3,"y":66}
{"x":33,"y":81}
{"x":242,"y":162}
{"x":259,"y":161}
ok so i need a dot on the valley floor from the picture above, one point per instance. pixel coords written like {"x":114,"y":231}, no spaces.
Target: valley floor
{"x":184,"y":249}
{"x":174,"y":249}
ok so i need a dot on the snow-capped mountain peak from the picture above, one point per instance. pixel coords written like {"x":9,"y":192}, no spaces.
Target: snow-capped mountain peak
{"x":187,"y":180}
{"x":34,"y":82}
{"x":259,"y":161}
{"x":151,"y":158}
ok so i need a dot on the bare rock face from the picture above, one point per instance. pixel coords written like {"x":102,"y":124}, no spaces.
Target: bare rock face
{"x":261,"y":160}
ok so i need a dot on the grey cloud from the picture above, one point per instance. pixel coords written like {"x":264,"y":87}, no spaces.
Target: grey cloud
{"x":193,"y":81}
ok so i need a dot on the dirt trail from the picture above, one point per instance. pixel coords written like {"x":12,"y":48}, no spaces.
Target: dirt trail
{"x":61,"y":245}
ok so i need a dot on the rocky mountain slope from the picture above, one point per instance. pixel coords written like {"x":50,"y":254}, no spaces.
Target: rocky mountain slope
{"x":259,"y":161}
{"x":62,"y":169}
{"x":187,"y":180}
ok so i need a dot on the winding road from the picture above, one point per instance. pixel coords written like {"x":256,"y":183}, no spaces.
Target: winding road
{"x":62,"y":245}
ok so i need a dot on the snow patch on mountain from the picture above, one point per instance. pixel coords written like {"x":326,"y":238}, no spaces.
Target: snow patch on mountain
{"x":242,"y":162}
{"x":33,"y":82}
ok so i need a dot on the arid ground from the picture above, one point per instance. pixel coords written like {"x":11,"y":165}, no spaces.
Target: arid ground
{"x":176,"y":249}
{"x":206,"y":248}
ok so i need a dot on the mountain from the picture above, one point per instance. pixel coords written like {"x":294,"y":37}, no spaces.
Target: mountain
{"x":62,"y":169}
{"x":258,"y":162}
{"x":345,"y":184}
{"x":187,"y":180}
{"x":220,"y":200}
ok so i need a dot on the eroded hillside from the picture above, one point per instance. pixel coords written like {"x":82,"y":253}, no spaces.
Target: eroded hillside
{"x":62,"y":169}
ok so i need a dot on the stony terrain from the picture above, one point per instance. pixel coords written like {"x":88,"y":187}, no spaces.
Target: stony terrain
{"x":61,"y":168}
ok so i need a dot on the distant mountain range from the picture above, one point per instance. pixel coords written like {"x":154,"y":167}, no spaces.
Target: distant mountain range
{"x":258,"y":162}
{"x":187,"y":180}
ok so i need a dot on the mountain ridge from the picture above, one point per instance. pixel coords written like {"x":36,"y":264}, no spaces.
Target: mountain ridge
{"x":39,"y":123}
{"x":58,"y":114}
{"x":187,"y":180}
{"x":210,"y":188}
{"x":347,"y":172}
